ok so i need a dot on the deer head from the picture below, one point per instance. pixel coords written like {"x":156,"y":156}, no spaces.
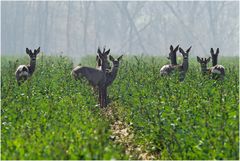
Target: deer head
{"x":184,"y":65}
{"x":203,"y":62}
{"x":34,"y":54}
{"x":185,"y":54}
{"x":115,"y":61}
{"x":102,"y":59}
{"x":214,"y":56}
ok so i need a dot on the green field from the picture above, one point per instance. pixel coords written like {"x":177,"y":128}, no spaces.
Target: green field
{"x":51,"y":116}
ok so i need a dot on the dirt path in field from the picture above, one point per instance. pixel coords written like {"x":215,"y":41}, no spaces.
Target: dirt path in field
{"x":122,"y":133}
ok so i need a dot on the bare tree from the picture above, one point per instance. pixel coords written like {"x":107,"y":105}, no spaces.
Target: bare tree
{"x":135,"y":27}
{"x":124,"y":10}
{"x":85,"y":25}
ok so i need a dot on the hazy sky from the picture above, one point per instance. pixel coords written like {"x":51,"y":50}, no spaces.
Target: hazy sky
{"x":77,"y":28}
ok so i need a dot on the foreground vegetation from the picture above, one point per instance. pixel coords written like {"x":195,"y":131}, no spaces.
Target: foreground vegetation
{"x":51,"y":116}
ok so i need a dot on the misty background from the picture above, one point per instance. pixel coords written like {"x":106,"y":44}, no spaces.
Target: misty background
{"x":77,"y":28}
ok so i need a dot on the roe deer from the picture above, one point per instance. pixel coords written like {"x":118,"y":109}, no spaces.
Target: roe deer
{"x":216,"y":70}
{"x":167,"y":69}
{"x":203,"y":62}
{"x":97,"y":78}
{"x":183,"y":68}
{"x":23,"y":72}
{"x":94,"y":76}
{"x":111,"y":76}
{"x":103,"y":88}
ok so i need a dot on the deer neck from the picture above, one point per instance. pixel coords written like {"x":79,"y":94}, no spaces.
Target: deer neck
{"x":114,"y":70}
{"x":174,"y":59}
{"x":185,"y":64}
{"x":111,"y":76}
{"x":214,"y":61}
{"x":204,"y":69}
{"x":31,"y":66}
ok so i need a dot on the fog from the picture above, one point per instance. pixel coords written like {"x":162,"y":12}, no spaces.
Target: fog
{"x":77,"y":28}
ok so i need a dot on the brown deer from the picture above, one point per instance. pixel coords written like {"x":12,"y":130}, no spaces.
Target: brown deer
{"x":94,"y":76}
{"x":105,"y":67}
{"x":167,"y":69}
{"x":80,"y":71}
{"x":97,"y":78}
{"x":210,"y":71}
{"x":216,"y":70}
{"x":111,"y":75}
{"x":183,"y":68}
{"x":203,"y":62}
{"x":23,"y":72}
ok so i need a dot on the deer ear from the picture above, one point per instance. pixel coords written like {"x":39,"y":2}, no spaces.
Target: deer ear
{"x":119,"y":58}
{"x":99,"y":51}
{"x":181,"y":50}
{"x":107,"y":52}
{"x":171,"y":48}
{"x":176,"y":49}
{"x":38,"y":50}
{"x":208,"y":59}
{"x":198,"y":59}
{"x":217,"y":52}
{"x":27,"y":51}
{"x":212,"y":51}
{"x":188,"y":49}
{"x":111,"y":58}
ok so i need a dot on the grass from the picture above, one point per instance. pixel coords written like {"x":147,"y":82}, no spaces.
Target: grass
{"x":51,"y":116}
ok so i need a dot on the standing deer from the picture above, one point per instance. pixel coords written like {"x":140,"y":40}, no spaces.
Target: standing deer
{"x":97,"y":78}
{"x":183,"y":68}
{"x":167,"y":69}
{"x":105,"y":65}
{"x":23,"y":72}
{"x":216,"y":70}
{"x":111,"y":76}
{"x":94,"y":76}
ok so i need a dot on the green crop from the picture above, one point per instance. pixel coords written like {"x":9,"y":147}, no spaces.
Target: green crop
{"x":52,"y":116}
{"x":194,"y":119}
